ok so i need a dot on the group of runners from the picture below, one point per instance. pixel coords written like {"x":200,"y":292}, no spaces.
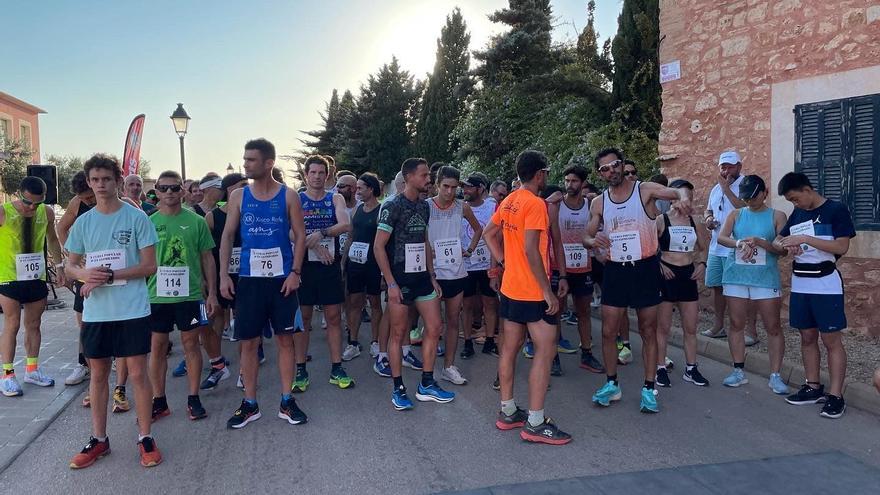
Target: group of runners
{"x":452,"y":254}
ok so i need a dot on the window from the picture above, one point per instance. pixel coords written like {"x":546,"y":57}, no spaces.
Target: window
{"x":838,"y":148}
{"x":24,"y":134}
{"x":5,"y":130}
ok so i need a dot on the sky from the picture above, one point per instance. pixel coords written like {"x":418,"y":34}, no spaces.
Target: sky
{"x":262,"y":68}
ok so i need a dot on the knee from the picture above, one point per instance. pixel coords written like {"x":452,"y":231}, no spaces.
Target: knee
{"x":284,"y":342}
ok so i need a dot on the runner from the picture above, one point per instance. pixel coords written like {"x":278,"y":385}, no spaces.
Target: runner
{"x":194,"y":195}
{"x":497,"y":192}
{"x":116,"y":243}
{"x":751,"y":273}
{"x":631,"y":279}
{"x":183,"y":255}
{"x":26,"y":225}
{"x":325,"y":219}
{"x":133,"y":189}
{"x":683,"y":250}
{"x":346,"y":186}
{"x":363,"y":280}
{"x":264,"y":213}
{"x":212,"y":192}
{"x":401,"y":249}
{"x":817,"y":233}
{"x":624,"y":348}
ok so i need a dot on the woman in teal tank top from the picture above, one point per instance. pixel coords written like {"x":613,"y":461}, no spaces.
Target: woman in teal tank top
{"x":751,"y":273}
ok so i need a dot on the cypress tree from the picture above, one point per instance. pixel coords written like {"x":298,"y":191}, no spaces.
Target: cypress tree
{"x":636,"y":91}
{"x":524,"y":50}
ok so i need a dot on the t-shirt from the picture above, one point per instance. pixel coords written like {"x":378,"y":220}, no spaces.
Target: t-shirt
{"x":407,"y":222}
{"x":182,"y":239}
{"x":829,"y":221}
{"x":519,"y":212}
{"x":114,"y":240}
{"x":721,"y":207}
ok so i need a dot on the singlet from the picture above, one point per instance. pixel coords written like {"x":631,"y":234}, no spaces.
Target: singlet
{"x":15,"y":263}
{"x":762,"y":270}
{"x":217,"y":234}
{"x":572,"y":225}
{"x":83,"y":208}
{"x":198,"y":209}
{"x":633,"y":234}
{"x":320,"y":214}
{"x":343,"y":237}
{"x":407,"y":222}
{"x":678,"y":238}
{"x":265,"y":236}
{"x":444,"y":232}
{"x":363,"y":233}
{"x":479,"y":259}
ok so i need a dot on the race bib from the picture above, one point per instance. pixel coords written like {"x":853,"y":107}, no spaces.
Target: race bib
{"x":626,"y":246}
{"x":759,"y":257}
{"x":266,"y":262}
{"x":113,"y":259}
{"x":235,"y":261}
{"x":30,"y":266}
{"x":447,"y":252}
{"x":328,"y":244}
{"x":358,"y":252}
{"x":682,"y":239}
{"x":414,"y":261}
{"x":576,"y":255}
{"x":343,"y":238}
{"x":804,"y":228}
{"x":480,"y":254}
{"x":172,"y":281}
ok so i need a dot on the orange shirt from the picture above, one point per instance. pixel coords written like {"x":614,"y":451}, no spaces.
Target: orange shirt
{"x":519,"y":212}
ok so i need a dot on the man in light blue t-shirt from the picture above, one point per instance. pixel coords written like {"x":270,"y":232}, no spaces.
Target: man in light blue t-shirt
{"x":112,"y":251}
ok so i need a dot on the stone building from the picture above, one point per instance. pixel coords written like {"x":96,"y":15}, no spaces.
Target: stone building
{"x":791,"y":85}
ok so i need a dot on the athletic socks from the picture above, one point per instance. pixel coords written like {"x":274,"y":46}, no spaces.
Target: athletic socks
{"x":739,"y":365}
{"x":536,"y":417}
{"x":31,"y":365}
{"x":82,"y":360}
{"x":427,"y":378}
{"x":398,"y":382}
{"x":690,"y":367}
{"x":649,"y":384}
{"x":8,"y":369}
{"x":334,"y":367}
{"x":508,"y":407}
{"x":612,"y":378}
{"x":218,"y":363}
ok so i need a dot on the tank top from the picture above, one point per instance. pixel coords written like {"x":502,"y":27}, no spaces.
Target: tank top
{"x":572,"y":225}
{"x":265,"y":236}
{"x":82,"y":209}
{"x":18,"y":261}
{"x":762,"y":270}
{"x":444,"y":233}
{"x":678,"y":238}
{"x":632,"y":232}
{"x":479,"y":259}
{"x":363,"y":233}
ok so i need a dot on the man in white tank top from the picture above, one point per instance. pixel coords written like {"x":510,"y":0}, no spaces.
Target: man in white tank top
{"x":631,"y":277}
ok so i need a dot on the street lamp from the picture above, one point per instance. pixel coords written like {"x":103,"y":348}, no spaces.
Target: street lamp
{"x":229,"y":169}
{"x":180,"y":119}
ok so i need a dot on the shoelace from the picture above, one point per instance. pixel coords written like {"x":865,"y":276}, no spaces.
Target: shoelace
{"x":92,"y":443}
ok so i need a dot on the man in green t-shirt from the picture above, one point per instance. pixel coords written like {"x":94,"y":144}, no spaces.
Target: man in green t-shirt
{"x":183,"y":256}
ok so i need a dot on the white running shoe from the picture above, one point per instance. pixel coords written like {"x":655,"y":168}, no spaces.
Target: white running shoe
{"x":374,"y":350}
{"x":37,"y":377}
{"x":350,"y":352}
{"x":453,"y":374}
{"x":79,"y":374}
{"x":10,"y":387}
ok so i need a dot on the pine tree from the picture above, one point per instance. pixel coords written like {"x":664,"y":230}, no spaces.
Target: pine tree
{"x":636,"y":91}
{"x":447,"y":89}
{"x":524,"y":50}
{"x":326,"y":140}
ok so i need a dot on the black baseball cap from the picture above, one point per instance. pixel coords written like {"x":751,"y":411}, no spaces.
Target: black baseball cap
{"x":474,"y":181}
{"x":750,"y":186}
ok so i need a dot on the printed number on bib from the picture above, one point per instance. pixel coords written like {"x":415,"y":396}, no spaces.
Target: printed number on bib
{"x":113,"y":259}
{"x":576,"y":255}
{"x":30,"y":266}
{"x":328,"y":244}
{"x":682,"y":239}
{"x":172,"y":281}
{"x":266,"y":262}
{"x":358,"y":252}
{"x":481,"y":254}
{"x":626,"y":246}
{"x":415,"y":258}
{"x":447,"y":252}
{"x":235,"y":261}
{"x":759,"y":257}
{"x":804,"y":228}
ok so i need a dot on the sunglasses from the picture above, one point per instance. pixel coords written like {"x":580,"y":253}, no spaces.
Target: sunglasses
{"x":28,"y":202}
{"x":169,"y":187}
{"x":631,"y":172}
{"x":608,"y":166}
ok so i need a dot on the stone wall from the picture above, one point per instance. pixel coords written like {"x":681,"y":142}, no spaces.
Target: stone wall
{"x":732,"y":53}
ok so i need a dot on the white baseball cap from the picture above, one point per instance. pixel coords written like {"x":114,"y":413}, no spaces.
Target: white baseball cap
{"x":731,"y":157}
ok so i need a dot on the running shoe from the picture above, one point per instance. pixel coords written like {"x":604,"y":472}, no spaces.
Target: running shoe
{"x":159,"y":410}
{"x":340,"y":378}
{"x":291,"y":412}
{"x":120,"y":402}
{"x":215,"y":376}
{"x":240,"y":382}
{"x":715,"y":334}
{"x":87,"y":401}
{"x":433,"y":392}
{"x":546,"y":432}
{"x":736,"y":378}
{"x":608,"y":393}
{"x":415,"y":335}
{"x":750,"y":341}
{"x":229,"y":334}
{"x":179,"y":370}
{"x":556,"y":367}
{"x":694,"y":376}
{"x":411,"y":361}
{"x":834,"y":407}
{"x":528,"y":350}
{"x":400,"y":400}
{"x":78,"y":375}
{"x":807,"y":395}
{"x":670,"y":364}
{"x":150,"y":455}
{"x":90,"y":454}
{"x":440,"y":350}
{"x":10,"y":387}
{"x":590,"y":363}
{"x":301,"y":382}
{"x":468,"y":351}
{"x":625,"y":356}
{"x":566,"y":347}
{"x":508,"y":422}
{"x":491,"y":348}
{"x":497,"y":383}
{"x":374,"y":349}
{"x":777,"y":385}
{"x":195,"y":409}
{"x":351,"y":351}
{"x":648,"y":404}
{"x":662,"y":378}
{"x":38,"y":378}
{"x":382,"y":368}
{"x":246,"y":413}
{"x":453,"y":374}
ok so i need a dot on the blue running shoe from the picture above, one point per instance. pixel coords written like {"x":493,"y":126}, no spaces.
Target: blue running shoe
{"x":609,"y":392}
{"x":180,"y":370}
{"x":736,"y":378}
{"x":566,"y":347}
{"x":400,"y":400}
{"x":649,"y":401}
{"x":411,"y":361}
{"x":776,"y":384}
{"x":382,"y":368}
{"x":434,"y":392}
{"x":529,"y":350}
{"x":10,"y":387}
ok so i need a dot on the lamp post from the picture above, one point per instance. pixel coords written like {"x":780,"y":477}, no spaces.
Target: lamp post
{"x":180,"y":119}
{"x":229,"y":169}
